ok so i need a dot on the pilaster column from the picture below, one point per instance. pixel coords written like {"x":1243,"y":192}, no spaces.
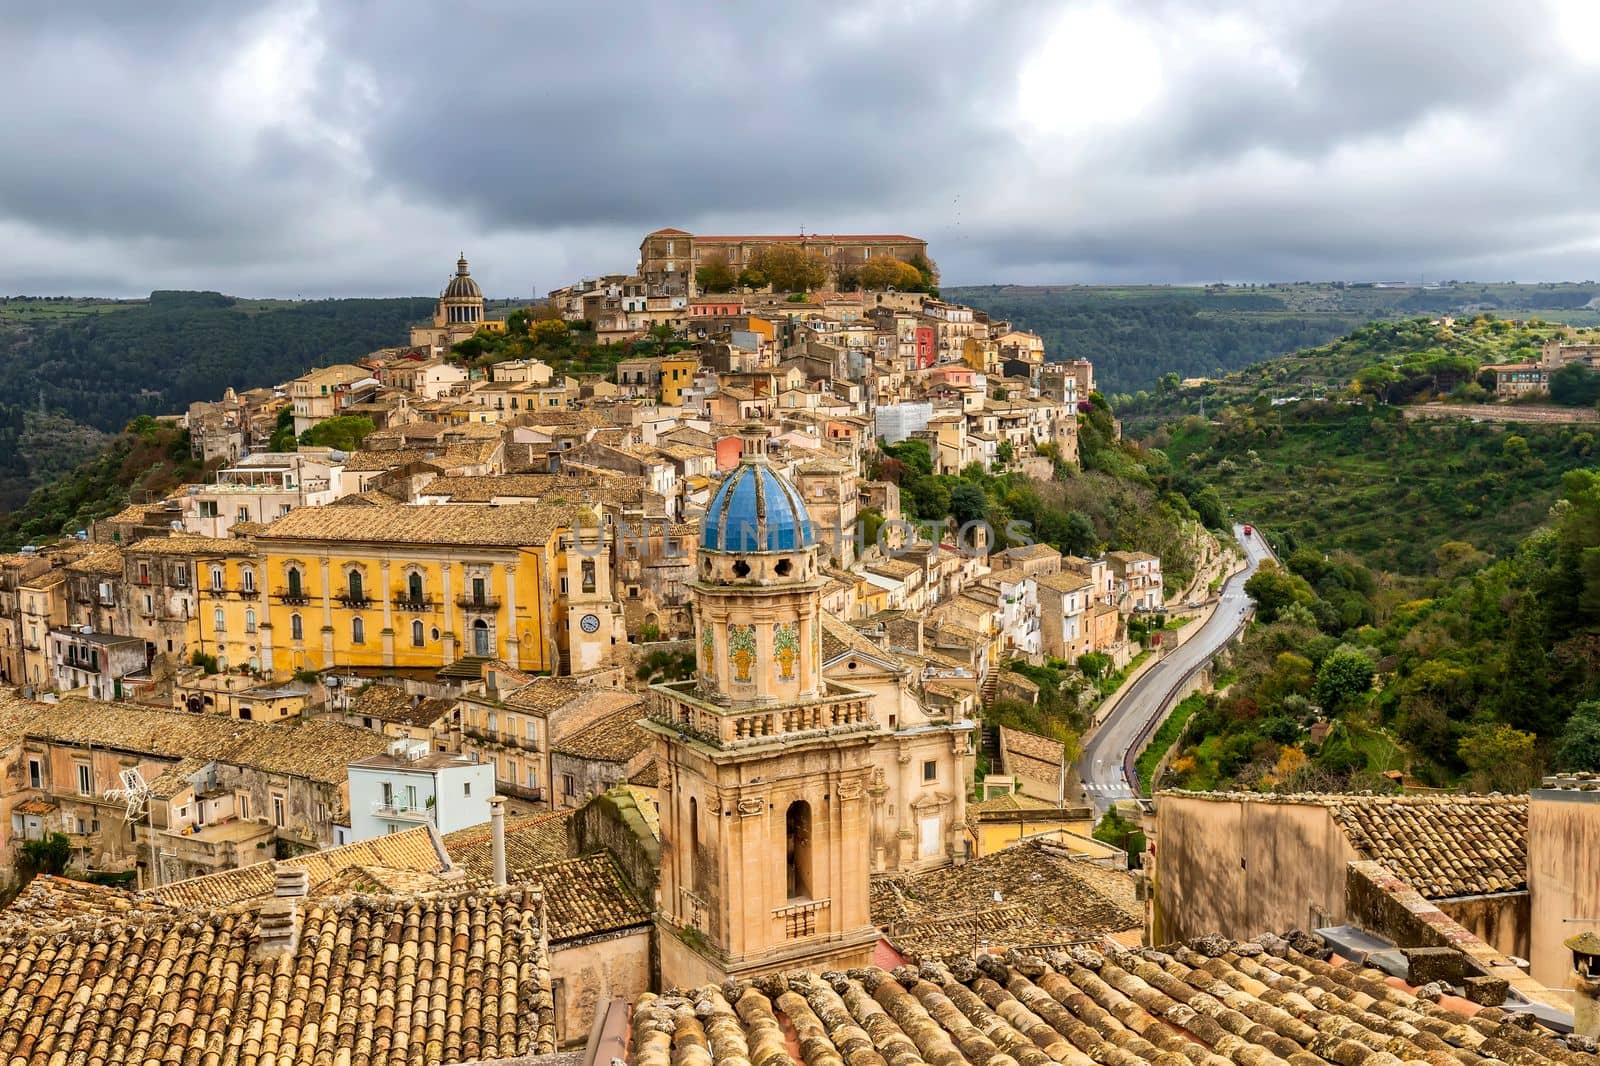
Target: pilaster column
{"x":327,"y":613}
{"x":513,"y":638}
{"x":388,"y":612}
{"x":447,"y":607}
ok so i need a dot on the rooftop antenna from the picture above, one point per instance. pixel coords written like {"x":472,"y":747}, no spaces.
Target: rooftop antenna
{"x":135,"y":795}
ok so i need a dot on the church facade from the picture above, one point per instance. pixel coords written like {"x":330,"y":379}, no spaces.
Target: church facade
{"x":782,"y":788}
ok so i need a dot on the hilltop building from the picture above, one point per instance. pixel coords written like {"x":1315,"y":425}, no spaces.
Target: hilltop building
{"x":668,"y":258}
{"x":458,"y":315}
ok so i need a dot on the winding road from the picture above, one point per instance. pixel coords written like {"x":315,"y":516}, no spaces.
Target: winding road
{"x":1112,"y":748}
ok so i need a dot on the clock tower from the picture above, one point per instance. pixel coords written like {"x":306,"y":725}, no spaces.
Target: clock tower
{"x":593,"y":625}
{"x":764,"y":765}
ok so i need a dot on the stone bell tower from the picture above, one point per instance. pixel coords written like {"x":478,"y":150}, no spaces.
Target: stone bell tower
{"x":764,"y":765}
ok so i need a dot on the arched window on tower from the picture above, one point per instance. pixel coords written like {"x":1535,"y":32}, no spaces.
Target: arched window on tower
{"x":797,"y":849}
{"x":694,"y":843}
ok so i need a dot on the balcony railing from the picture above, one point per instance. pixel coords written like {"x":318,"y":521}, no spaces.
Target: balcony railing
{"x":403,"y":600}
{"x":800,"y":919}
{"x":478,"y":603}
{"x":297,"y":599}
{"x":397,"y":809}
{"x":360,"y":602}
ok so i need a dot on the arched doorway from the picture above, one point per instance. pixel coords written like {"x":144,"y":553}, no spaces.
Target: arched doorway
{"x":480,"y":638}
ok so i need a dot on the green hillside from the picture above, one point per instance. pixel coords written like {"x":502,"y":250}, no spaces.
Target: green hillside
{"x":98,"y":364}
{"x":1135,"y":334}
{"x":1435,"y":616}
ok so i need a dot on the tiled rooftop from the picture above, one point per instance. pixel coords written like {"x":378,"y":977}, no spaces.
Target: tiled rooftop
{"x":1444,"y":846}
{"x":1046,"y":896}
{"x":1007,"y":803}
{"x":617,"y":737}
{"x":319,"y":750}
{"x":370,"y":981}
{"x":1231,"y":1003}
{"x":603,"y":489}
{"x":191,"y":544}
{"x":510,"y":525}
{"x":1031,"y":755}
{"x":531,"y":842}
{"x":408,"y":850}
{"x":586,"y":896}
{"x":48,"y":901}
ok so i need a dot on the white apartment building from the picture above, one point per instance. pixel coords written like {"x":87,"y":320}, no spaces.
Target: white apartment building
{"x":410,"y":784}
{"x":261,"y":488}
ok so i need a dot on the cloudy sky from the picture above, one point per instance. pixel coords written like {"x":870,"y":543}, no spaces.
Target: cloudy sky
{"x":352,"y":147}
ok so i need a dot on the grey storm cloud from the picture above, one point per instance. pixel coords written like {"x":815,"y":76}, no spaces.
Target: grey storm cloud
{"x":353,"y":146}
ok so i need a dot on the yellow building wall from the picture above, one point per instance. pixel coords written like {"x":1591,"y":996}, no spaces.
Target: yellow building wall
{"x":238,"y":642}
{"x":676,"y":375}
{"x":1075,"y":836}
{"x":329,"y":634}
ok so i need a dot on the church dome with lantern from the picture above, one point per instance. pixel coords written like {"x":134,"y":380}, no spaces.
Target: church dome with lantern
{"x":757,"y":509}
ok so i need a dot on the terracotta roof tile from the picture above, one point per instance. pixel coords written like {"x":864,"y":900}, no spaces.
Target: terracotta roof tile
{"x":1031,"y":755}
{"x":1238,"y":1003}
{"x":588,"y":895}
{"x":1444,"y":846}
{"x":531,"y":842}
{"x":617,"y":737}
{"x":510,"y":525}
{"x":457,"y":977}
{"x":316,"y":749}
{"x":409,"y":849}
{"x":1056,"y":898}
{"x":47,"y":900}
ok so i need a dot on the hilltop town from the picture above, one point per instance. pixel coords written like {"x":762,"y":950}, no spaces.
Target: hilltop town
{"x":479,"y":706}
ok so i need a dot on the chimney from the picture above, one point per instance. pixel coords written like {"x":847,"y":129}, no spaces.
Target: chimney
{"x":497,"y":827}
{"x":290,"y":882}
{"x":1585,"y":948}
{"x":278,"y":920}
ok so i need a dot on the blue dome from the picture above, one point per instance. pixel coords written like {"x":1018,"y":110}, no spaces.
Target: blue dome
{"x":756,"y":510}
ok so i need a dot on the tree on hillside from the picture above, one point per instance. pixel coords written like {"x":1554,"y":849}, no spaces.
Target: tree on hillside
{"x":552,"y":331}
{"x":1274,"y":590}
{"x":344,"y":433}
{"x":1344,"y":675}
{"x":1579,"y":747}
{"x":47,"y":855}
{"x":283,"y":432}
{"x":791,"y":268}
{"x":1501,"y":758}
{"x":913,"y":455}
{"x":1575,"y":385}
{"x":715,"y":275}
{"x":887,"y":272}
{"x":968,"y":503}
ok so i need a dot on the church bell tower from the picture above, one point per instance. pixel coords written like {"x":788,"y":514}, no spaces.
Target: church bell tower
{"x":764,"y":765}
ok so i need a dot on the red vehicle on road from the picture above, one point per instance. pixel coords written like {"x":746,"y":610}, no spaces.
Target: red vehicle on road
{"x":1248,"y":530}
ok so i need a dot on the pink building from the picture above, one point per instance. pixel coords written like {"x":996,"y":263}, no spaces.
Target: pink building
{"x":925,"y":347}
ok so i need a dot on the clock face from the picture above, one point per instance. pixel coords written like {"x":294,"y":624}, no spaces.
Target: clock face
{"x":590,"y":623}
